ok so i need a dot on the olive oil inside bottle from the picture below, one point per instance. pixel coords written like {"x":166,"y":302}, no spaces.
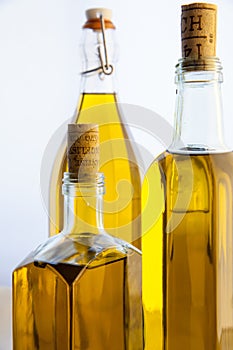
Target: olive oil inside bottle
{"x":70,"y":307}
{"x":186,"y":244}
{"x":118,"y":163}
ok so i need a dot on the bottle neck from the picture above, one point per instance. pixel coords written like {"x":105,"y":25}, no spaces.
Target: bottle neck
{"x":198,"y":115}
{"x":99,"y":62}
{"x":98,"y":84}
{"x":83,"y":204}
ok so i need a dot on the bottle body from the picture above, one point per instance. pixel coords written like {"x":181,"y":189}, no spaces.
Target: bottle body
{"x":98,"y":104}
{"x":122,"y":202}
{"x":190,"y":303}
{"x":187,"y":237}
{"x":81,"y":289}
{"x":63,"y":306}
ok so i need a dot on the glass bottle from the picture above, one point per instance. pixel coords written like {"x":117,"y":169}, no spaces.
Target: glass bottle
{"x":81,"y":289}
{"x":187,"y":240}
{"x":98,"y":103}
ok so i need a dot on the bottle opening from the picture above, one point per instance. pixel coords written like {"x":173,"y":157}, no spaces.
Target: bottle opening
{"x":208,"y":63}
{"x":76,"y":185}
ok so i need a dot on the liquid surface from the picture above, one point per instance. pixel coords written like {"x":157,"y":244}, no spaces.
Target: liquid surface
{"x":71,"y":307}
{"x":117,"y":162}
{"x":187,"y":249}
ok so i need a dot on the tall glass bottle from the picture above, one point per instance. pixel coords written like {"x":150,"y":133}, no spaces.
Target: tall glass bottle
{"x":187,"y":215}
{"x":78,"y":290}
{"x":98,"y":104}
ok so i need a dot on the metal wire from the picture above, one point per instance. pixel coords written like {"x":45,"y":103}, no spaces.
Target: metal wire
{"x":104,"y":41}
{"x":105,"y":67}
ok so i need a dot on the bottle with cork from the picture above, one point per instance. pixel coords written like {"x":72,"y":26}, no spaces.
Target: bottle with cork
{"x":77,"y":290}
{"x":98,"y":104}
{"x":187,"y":213}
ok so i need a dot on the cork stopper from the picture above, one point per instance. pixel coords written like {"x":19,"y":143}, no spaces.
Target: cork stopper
{"x":198,"y":30}
{"x":83,"y":149}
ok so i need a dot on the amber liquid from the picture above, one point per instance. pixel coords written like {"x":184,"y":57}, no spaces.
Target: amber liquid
{"x":187,"y":249}
{"x":69,"y":307}
{"x":117,"y":162}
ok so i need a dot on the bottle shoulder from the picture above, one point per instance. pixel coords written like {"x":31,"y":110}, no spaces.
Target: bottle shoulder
{"x":221,"y":159}
{"x":100,"y":108}
{"x":84,"y":249}
{"x":169,"y":167}
{"x":88,"y":100}
{"x":187,"y":183}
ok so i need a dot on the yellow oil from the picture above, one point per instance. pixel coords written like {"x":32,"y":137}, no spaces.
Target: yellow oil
{"x":187,"y":245}
{"x":117,"y":161}
{"x":74,"y":307}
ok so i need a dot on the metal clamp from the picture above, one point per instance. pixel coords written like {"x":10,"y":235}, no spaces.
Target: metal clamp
{"x":105,"y":67}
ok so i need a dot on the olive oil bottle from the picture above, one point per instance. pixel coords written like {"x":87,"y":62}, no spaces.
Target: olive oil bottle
{"x":98,"y":104}
{"x":187,"y":216}
{"x":81,"y":289}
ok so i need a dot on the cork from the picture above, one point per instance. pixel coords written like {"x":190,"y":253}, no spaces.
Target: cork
{"x":83,"y":149}
{"x":198,"y":30}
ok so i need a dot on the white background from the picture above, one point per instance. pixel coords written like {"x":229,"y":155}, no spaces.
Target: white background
{"x":39,"y":87}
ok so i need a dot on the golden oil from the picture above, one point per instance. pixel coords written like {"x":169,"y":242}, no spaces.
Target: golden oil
{"x":188,"y":252}
{"x":67,"y":306}
{"x":122,"y":202}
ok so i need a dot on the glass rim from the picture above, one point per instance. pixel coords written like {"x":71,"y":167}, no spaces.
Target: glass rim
{"x":78,"y":185}
{"x":204,"y":64}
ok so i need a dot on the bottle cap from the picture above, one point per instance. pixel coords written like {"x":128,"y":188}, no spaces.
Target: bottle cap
{"x":93,"y":18}
{"x":198,"y":30}
{"x":97,"y":12}
{"x":83,"y":149}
